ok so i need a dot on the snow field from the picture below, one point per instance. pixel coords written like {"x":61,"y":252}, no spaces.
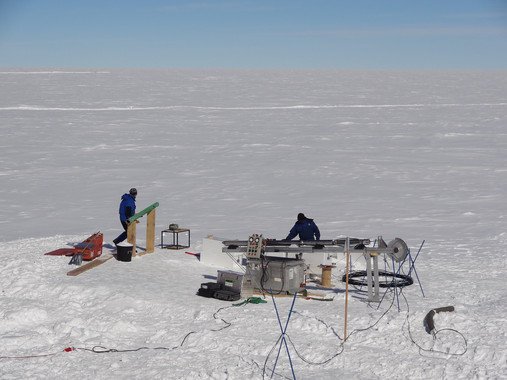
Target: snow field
{"x":231,"y":153}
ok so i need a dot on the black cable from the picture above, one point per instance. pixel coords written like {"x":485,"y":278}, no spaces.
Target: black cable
{"x":333,"y":356}
{"x":315,"y":363}
{"x":269,"y":354}
{"x":266,"y":361}
{"x":185,"y":338}
{"x":227,"y":324}
{"x":431,"y":350}
{"x":30,"y":356}
{"x":421,"y":349}
{"x":265,"y":276}
{"x":105,"y":350}
{"x":374,"y":324}
{"x":319,"y":320}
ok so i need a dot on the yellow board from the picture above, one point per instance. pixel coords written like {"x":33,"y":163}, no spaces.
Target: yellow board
{"x":92,"y":264}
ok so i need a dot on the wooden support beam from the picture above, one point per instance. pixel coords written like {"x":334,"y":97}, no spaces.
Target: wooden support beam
{"x":131,"y":236}
{"x":150,"y":231}
{"x":150,"y":228}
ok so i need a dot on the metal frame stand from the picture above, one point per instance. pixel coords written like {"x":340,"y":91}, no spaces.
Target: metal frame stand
{"x":283,"y":339}
{"x":175,"y":241}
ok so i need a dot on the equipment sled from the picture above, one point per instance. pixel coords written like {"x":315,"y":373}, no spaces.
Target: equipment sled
{"x":90,"y":248}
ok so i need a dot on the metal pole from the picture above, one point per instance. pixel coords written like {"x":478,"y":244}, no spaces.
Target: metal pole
{"x":395,"y":285}
{"x":375,"y":278}
{"x":367,"y":258}
{"x":413,"y":261}
{"x":285,"y":341}
{"x":347,"y":253}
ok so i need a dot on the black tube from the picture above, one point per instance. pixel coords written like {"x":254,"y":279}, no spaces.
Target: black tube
{"x":401,"y":281}
{"x":428,"y":323}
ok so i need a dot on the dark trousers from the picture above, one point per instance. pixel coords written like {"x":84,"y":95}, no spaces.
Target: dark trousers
{"x":123,"y":235}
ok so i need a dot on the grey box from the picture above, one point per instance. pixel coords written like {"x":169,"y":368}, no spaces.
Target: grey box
{"x":276,"y":274}
{"x":231,"y":280}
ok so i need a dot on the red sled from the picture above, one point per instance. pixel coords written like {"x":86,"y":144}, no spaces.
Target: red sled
{"x":89,"y":248}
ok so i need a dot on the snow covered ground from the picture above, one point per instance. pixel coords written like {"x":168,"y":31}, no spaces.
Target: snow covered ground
{"x":415,"y":155}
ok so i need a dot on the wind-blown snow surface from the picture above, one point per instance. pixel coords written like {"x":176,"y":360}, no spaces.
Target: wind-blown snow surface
{"x":231,"y":153}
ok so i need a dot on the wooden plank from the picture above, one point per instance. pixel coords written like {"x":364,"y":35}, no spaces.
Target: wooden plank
{"x":150,"y":231}
{"x":92,"y":264}
{"x":132,"y":236}
{"x":301,"y":294}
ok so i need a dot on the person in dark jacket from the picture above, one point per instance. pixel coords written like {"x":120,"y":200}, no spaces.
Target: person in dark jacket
{"x":127,"y":209}
{"x":305,"y":228}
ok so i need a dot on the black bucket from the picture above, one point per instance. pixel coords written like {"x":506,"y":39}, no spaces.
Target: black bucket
{"x":124,"y":252}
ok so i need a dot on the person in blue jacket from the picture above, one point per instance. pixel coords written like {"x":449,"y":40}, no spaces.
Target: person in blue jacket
{"x":305,"y":228}
{"x":127,"y":209}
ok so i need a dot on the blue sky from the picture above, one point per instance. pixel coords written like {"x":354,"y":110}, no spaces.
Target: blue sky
{"x":352,"y":34}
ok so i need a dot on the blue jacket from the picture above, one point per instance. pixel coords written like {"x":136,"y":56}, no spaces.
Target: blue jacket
{"x":306,"y":229}
{"x":127,"y":207}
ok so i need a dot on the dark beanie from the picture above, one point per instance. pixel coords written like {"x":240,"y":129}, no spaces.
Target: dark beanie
{"x":301,"y":216}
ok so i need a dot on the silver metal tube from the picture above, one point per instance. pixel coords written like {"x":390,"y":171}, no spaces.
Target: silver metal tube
{"x":303,"y":249}
{"x":376,"y":297}
{"x":367,"y":257}
{"x":275,"y":242}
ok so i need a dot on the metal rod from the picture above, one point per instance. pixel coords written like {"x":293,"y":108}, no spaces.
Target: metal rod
{"x":412,"y":266}
{"x":346,"y":289}
{"x":413,"y":261}
{"x":395,"y":285}
{"x":369,"y":280}
{"x":281,"y":329}
{"x":276,"y":242}
{"x":375,"y":279}
{"x":305,"y":249}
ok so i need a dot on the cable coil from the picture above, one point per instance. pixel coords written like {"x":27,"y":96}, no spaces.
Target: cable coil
{"x":398,"y":280}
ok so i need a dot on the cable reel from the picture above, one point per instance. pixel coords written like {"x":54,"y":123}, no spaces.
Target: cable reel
{"x":397,"y":249}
